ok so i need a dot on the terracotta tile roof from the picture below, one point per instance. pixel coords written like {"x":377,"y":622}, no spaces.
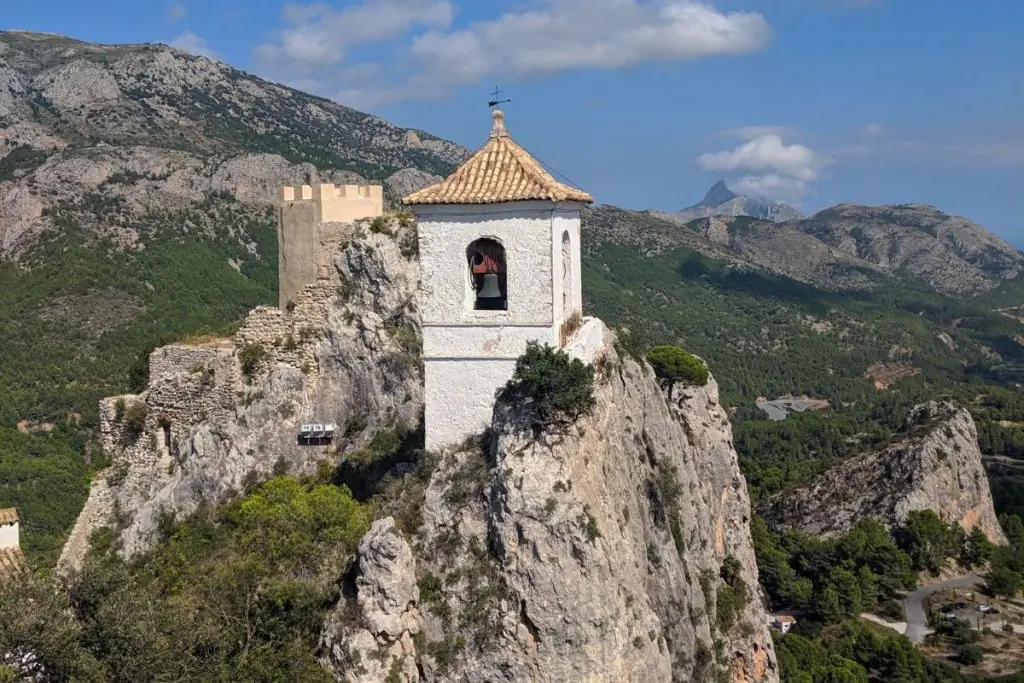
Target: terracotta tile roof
{"x":12,"y":561}
{"x":501,"y":171}
{"x":8,"y":515}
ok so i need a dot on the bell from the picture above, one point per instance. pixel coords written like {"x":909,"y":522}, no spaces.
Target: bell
{"x":490,"y":289}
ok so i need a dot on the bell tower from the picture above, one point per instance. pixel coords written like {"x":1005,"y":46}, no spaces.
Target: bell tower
{"x":499,"y":244}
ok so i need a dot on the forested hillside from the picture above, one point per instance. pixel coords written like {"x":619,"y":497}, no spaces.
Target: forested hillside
{"x":766,"y":335}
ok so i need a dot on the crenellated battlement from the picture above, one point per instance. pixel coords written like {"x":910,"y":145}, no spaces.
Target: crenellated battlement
{"x":312,"y":221}
{"x":338,"y":203}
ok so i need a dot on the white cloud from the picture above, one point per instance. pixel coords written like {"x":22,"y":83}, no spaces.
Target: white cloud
{"x":177,"y":11}
{"x":767,"y":167}
{"x":545,"y":38}
{"x":318,"y":36}
{"x":190,"y":42}
{"x":754,"y":132}
{"x":578,"y":34}
{"x":872,"y":130}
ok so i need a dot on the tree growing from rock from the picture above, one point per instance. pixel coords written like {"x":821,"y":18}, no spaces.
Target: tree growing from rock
{"x":558,"y":389}
{"x":673,"y":365}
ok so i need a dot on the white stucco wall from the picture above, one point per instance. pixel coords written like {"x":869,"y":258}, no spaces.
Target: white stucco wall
{"x":562,"y":225}
{"x":474,"y":341}
{"x":523,"y":228}
{"x":9,"y":536}
{"x":470,"y":354}
{"x":460,"y":398}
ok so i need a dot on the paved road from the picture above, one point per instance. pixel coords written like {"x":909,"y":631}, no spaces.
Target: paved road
{"x":917,"y":617}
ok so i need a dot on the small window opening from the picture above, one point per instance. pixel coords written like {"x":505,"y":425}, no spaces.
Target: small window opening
{"x":488,"y":275}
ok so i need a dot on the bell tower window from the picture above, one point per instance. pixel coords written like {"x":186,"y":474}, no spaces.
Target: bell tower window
{"x":488,"y":275}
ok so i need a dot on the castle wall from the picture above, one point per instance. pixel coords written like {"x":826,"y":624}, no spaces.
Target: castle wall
{"x":296,"y":235}
{"x":312,"y":221}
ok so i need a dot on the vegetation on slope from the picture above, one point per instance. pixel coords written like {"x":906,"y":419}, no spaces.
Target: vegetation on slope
{"x":765,"y":335}
{"x":234,"y":593}
{"x":78,"y":320}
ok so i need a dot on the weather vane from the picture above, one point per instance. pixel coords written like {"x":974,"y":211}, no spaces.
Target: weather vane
{"x":496,"y":98}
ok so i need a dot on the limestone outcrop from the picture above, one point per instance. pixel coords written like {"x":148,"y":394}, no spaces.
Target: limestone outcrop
{"x":617,"y":549}
{"x":597,"y":553}
{"x":220,"y":414}
{"x":380,"y":643}
{"x":935,"y":464}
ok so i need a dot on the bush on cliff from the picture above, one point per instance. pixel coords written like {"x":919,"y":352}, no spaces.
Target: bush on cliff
{"x":558,"y":389}
{"x":673,"y":366}
{"x":133,"y":416}
{"x":249,"y":357}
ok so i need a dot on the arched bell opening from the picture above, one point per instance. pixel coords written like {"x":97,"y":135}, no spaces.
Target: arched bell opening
{"x":488,"y":275}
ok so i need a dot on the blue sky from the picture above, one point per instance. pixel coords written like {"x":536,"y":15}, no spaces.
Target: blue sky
{"x":646,"y":103}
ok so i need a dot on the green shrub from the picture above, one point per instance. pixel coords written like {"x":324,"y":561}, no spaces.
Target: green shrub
{"x":969,"y":654}
{"x":560,"y":389}
{"x":728,"y":605}
{"x":732,"y":595}
{"x":673,"y":365}
{"x":134,"y":418}
{"x":379,"y":225}
{"x":249,"y":357}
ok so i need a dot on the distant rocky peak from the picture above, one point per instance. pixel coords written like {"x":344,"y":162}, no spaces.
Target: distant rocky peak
{"x":721,"y":201}
{"x":718,"y":194}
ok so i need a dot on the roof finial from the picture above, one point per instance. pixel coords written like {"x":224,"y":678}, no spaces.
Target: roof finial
{"x":498,"y":130}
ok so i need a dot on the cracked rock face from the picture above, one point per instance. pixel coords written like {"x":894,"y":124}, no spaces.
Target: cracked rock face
{"x":934,"y":465}
{"x":593,"y":554}
{"x":380,"y":642}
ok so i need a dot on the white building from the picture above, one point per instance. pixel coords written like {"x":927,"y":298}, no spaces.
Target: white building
{"x":784,"y":622}
{"x":9,"y":537}
{"x":12,"y":560}
{"x":499,"y":244}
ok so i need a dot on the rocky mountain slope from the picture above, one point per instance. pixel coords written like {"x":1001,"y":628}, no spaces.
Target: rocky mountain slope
{"x":935,"y":465}
{"x":782,"y":249}
{"x":171,"y":126}
{"x":618,"y":550}
{"x":847,"y":247}
{"x":950,"y":253}
{"x":721,"y":201}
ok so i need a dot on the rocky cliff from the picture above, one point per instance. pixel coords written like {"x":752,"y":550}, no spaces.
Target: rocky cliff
{"x":949,"y":253}
{"x":220,"y":414}
{"x":934,"y":465}
{"x":617,"y":550}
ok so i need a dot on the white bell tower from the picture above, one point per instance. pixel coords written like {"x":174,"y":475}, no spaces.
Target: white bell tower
{"x":499,"y":244}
